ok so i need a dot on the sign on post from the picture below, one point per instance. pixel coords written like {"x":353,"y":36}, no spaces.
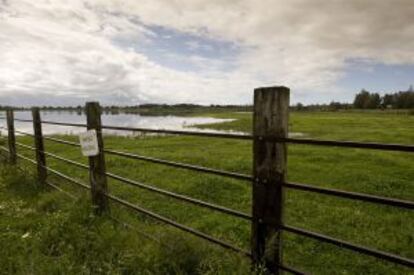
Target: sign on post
{"x":89,"y":143}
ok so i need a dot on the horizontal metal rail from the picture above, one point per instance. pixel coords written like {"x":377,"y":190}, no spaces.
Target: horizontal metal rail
{"x":78,"y":164}
{"x":351,"y":195}
{"x":64,"y":123}
{"x":20,"y":132}
{"x":4,"y":149}
{"x":147,"y":130}
{"x":60,"y":189}
{"x":24,"y":133}
{"x":181,"y":165}
{"x":27,"y":159}
{"x":192,"y":231}
{"x":58,"y":140}
{"x":166,"y":220}
{"x":177,"y":132}
{"x":298,"y":186}
{"x":124,"y":224}
{"x":306,"y":141}
{"x":68,"y":178}
{"x":181,"y":197}
{"x":48,"y":181}
{"x":154,"y":215}
{"x":55,"y":172}
{"x":110,"y":216}
{"x":84,"y":186}
{"x":151,"y":188}
{"x":291,"y":270}
{"x":344,"y":244}
{"x":178,"y":225}
{"x":23,"y":120}
{"x":350,"y":144}
{"x":144,"y":234}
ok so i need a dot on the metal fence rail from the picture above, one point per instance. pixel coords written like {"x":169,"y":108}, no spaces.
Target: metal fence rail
{"x":343,"y":244}
{"x":181,"y":197}
{"x":266,"y":219}
{"x":151,"y":188}
{"x":349,"y":144}
{"x":154,"y":160}
{"x":75,"y":163}
{"x":351,"y":195}
{"x":54,"y":186}
{"x":305,"y":141}
{"x":297,"y":186}
{"x":181,"y":165}
{"x":145,"y":211}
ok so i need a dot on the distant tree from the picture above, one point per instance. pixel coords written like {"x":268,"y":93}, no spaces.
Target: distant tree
{"x":362,"y":99}
{"x":335,"y":106}
{"x":374,"y":101}
{"x":404,"y":100}
{"x":388,"y":100}
{"x":367,"y":100}
{"x":299,"y":106}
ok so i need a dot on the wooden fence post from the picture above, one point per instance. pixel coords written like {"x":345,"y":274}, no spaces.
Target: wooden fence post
{"x":97,"y":169}
{"x":11,"y":136}
{"x":40,"y":149}
{"x":270,"y":121}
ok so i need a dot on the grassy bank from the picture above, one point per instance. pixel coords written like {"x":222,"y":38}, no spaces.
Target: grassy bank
{"x":381,"y":173}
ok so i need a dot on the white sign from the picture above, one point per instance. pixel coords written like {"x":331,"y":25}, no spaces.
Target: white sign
{"x":89,"y":143}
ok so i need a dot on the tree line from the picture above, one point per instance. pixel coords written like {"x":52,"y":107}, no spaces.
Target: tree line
{"x":363,"y":100}
{"x":398,"y":100}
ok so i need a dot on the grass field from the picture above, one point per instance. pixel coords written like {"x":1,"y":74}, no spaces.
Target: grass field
{"x":63,"y":237}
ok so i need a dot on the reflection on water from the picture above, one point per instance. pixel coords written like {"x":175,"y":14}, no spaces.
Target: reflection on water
{"x":125,"y":120}
{"x":168,"y":122}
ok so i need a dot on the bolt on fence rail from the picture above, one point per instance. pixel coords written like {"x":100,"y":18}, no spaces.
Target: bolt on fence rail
{"x":270,"y":128}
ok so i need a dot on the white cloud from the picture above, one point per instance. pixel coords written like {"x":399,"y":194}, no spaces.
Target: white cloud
{"x":66,"y":48}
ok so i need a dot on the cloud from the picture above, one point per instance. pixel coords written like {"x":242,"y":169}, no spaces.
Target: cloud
{"x":73,"y":51}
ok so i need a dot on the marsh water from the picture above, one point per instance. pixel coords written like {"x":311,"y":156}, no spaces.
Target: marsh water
{"x":169,"y":122}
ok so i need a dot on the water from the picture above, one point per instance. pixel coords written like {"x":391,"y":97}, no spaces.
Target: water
{"x":168,"y":122}
{"x":125,"y":120}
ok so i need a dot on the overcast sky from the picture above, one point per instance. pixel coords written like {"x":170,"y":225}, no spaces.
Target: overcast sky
{"x":201,"y":51}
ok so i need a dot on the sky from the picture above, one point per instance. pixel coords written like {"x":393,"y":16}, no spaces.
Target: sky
{"x":61,"y":52}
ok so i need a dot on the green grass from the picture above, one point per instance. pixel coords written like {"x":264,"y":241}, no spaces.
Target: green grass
{"x":45,"y":232}
{"x":373,"y":172}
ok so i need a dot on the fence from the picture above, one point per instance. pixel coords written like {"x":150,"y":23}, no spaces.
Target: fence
{"x":270,"y":140}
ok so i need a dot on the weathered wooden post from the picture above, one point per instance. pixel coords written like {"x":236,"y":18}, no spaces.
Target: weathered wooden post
{"x":97,"y":169}
{"x":11,"y":136}
{"x":40,"y":149}
{"x":270,"y":122}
